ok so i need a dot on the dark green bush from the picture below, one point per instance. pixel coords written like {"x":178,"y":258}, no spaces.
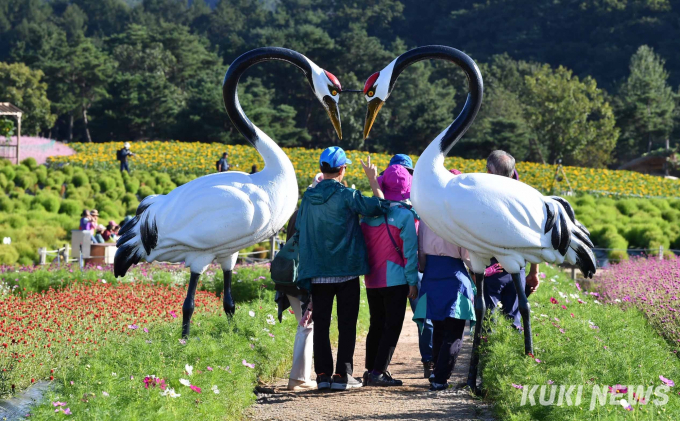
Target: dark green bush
{"x":627,"y":206}
{"x":80,"y":179}
{"x":8,"y":254}
{"x":70,"y":207}
{"x":30,"y":163}
{"x":9,"y":172}
{"x":6,"y":204}
{"x":132,"y":185}
{"x":15,"y":221}
{"x":145,"y":191}
{"x":48,"y":202}
{"x":26,"y":180}
{"x":106,"y":184}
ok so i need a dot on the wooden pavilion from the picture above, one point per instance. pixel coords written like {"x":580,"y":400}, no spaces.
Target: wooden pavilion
{"x":11,"y":151}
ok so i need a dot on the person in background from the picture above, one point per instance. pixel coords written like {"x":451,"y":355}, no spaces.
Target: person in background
{"x":446,"y":298}
{"x":123,"y":157}
{"x":98,"y":234}
{"x":109,"y":234}
{"x":223,"y":164}
{"x":253,"y":169}
{"x":332,"y":257}
{"x":94,"y":215}
{"x":298,"y":299}
{"x":498,"y":284}
{"x":392,"y":243}
{"x":426,"y":328}
{"x":85,"y":221}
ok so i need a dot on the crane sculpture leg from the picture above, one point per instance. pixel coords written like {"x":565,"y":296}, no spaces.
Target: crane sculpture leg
{"x":188,"y":306}
{"x":480,"y":310}
{"x":227,"y":300}
{"x":525,"y":311}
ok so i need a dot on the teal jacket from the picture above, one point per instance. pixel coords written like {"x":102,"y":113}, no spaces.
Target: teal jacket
{"x":328,"y":231}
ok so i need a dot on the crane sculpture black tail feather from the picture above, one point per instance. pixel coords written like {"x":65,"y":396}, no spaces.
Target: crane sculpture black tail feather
{"x":563,"y":238}
{"x":137,"y":236}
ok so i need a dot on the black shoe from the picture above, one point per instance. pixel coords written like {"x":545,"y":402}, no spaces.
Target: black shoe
{"x":431,"y":378}
{"x":344,"y":382}
{"x":323,"y":382}
{"x":384,"y":379}
{"x":435,"y":387}
{"x":428,"y":366}
{"x":364,"y":378}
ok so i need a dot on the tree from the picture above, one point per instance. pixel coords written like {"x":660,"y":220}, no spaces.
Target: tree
{"x":569,"y":116}
{"x":645,"y":105}
{"x":81,"y":74}
{"x":24,"y":88}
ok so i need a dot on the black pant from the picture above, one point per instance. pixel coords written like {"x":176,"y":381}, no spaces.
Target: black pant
{"x":387,"y":307}
{"x":124,"y":166}
{"x":447,"y":341}
{"x":348,"y":293}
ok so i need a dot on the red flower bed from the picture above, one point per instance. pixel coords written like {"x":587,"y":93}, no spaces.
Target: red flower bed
{"x":44,"y":332}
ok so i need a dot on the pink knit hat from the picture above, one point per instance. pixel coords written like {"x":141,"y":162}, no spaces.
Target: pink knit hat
{"x":396,"y":183}
{"x":455,"y":171}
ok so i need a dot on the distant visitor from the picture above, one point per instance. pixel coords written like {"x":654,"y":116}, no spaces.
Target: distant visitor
{"x":223,"y":164}
{"x":123,"y":157}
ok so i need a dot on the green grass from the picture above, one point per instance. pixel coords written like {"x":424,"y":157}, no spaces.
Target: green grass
{"x":215,"y":341}
{"x":623,"y":350}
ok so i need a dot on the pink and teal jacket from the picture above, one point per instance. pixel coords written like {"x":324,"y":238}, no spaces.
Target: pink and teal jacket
{"x":387,"y":267}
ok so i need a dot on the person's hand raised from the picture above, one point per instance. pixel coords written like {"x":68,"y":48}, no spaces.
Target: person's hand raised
{"x":370,"y":169}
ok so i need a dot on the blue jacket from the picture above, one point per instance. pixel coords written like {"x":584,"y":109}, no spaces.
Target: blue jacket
{"x":328,"y":231}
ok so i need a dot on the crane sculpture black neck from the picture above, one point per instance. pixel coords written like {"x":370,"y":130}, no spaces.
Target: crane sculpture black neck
{"x":239,"y":66}
{"x":475,"y":86}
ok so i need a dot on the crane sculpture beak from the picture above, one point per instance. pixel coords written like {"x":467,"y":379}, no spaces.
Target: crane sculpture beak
{"x":333,"y":113}
{"x":374,"y":107}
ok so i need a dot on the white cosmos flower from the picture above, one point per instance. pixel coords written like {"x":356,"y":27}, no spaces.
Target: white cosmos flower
{"x":170,"y":392}
{"x":270,"y":319}
{"x":189,"y":369}
{"x":215,"y":389}
{"x":251,"y":313}
{"x":185,"y":382}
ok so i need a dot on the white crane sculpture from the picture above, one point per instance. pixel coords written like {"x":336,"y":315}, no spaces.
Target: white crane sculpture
{"x":489,"y":215}
{"x":213,"y":217}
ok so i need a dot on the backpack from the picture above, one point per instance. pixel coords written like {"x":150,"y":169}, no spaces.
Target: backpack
{"x":119,"y":155}
{"x":284,"y":267}
{"x":217,"y":165}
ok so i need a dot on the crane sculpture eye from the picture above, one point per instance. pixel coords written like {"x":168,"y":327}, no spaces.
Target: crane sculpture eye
{"x":334,"y":92}
{"x":370,"y":93}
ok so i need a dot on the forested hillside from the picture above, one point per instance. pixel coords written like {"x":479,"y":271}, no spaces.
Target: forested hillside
{"x":593,"y":82}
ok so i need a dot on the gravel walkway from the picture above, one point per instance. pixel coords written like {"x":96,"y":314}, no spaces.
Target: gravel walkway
{"x":413,"y":401}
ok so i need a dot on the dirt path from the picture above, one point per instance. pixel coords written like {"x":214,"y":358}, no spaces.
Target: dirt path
{"x":413,"y":401}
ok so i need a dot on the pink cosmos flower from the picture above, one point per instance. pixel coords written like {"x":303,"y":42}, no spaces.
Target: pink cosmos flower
{"x":67,"y":411}
{"x":57,"y":403}
{"x":542,"y":275}
{"x":173,"y":314}
{"x":270,"y":335}
{"x":517,"y":386}
{"x":572,"y":314}
{"x":618,"y":389}
{"x":247,"y":364}
{"x":553,"y":300}
{"x":668,"y":382}
{"x":183,"y":341}
{"x":550,"y":382}
{"x":145,"y":330}
{"x":561,"y":330}
{"x":578,"y":286}
{"x":209,"y":368}
{"x":564,"y":307}
{"x":195,"y":388}
{"x":538,"y":361}
{"x":133,"y":327}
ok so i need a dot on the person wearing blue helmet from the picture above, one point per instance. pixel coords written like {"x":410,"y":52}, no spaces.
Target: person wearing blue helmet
{"x":403,"y":160}
{"x":332,"y":256}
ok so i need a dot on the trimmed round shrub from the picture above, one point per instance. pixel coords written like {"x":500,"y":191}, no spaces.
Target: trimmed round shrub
{"x":9,"y":187}
{"x":16,"y":221}
{"x":26,"y":180}
{"x":106,"y":184}
{"x":41,"y":173}
{"x":145,"y":191}
{"x":132,"y":185}
{"x":9,"y":172}
{"x":67,"y":170}
{"x":8,"y":254}
{"x":627,"y":206}
{"x":49,"y":202}
{"x":6,"y":204}
{"x":30,"y":163}
{"x":70,"y":207}
{"x":80,"y":179}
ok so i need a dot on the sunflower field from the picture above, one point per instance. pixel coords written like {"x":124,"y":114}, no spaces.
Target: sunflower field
{"x":200,"y":158}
